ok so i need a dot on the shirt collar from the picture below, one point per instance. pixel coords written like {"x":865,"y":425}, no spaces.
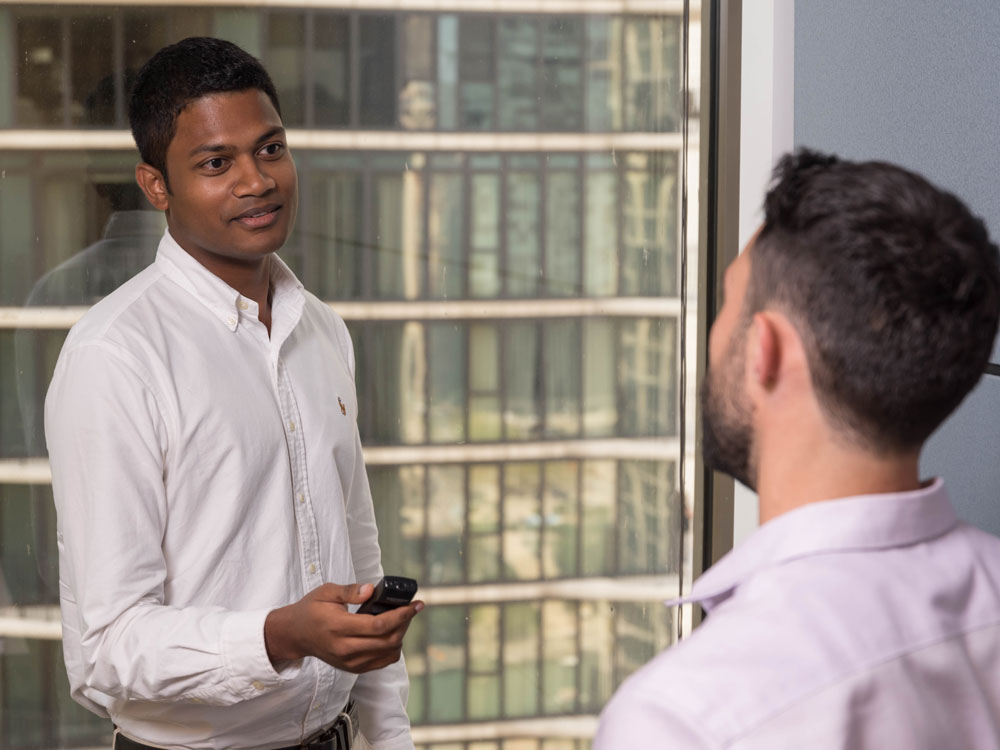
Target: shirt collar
{"x":222,"y":300}
{"x":863,"y":522}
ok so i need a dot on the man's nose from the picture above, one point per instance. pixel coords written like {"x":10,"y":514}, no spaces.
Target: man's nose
{"x":252,"y":178}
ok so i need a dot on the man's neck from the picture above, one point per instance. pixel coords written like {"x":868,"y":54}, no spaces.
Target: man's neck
{"x":813,"y":471}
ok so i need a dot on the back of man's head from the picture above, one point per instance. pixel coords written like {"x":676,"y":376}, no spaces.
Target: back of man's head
{"x":179,"y":74}
{"x":893,"y":285}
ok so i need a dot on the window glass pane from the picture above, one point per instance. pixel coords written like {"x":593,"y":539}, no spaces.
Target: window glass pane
{"x":559,"y":511}
{"x":604,"y":74}
{"x":417,"y":99}
{"x":520,"y":362}
{"x":284,"y":58}
{"x":600,"y":259}
{"x":561,"y":365}
{"x":505,"y":414}
{"x":484,"y":661}
{"x":645,"y":521}
{"x":444,"y":258}
{"x":598,"y":521}
{"x":484,"y":383}
{"x":560,"y":660}
{"x":331,"y":55}
{"x":446,"y":650}
{"x":518,"y":73}
{"x":475,"y":44}
{"x":562,"y":77}
{"x":445,"y":551}
{"x":447,"y":72}
{"x":41,"y":72}
{"x":647,"y":357}
{"x":522,"y":521}
{"x":649,"y":265}
{"x":520,"y":658}
{"x":95,"y":93}
{"x":484,"y":523}
{"x":599,"y":411}
{"x":378,"y":71}
{"x":523,"y":227}
{"x":398,"y":498}
{"x":562,"y":234}
{"x":447,"y":383}
{"x":484,"y":265}
{"x":336,"y":242}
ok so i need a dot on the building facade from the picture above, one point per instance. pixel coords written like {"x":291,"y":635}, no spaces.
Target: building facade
{"x":493,"y":200}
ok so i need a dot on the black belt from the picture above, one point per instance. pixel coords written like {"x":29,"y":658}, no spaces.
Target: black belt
{"x":340,"y":735}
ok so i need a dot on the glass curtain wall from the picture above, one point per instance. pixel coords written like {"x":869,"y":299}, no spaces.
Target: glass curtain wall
{"x":495,"y":202}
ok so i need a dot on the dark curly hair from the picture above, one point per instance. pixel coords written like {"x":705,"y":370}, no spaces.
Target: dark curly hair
{"x":177,"y":75}
{"x":893,"y":284}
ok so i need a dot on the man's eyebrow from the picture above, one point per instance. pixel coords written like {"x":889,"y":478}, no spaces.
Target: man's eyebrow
{"x":218,"y":148}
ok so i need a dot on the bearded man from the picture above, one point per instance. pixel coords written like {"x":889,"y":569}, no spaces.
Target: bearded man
{"x":862,"y":613}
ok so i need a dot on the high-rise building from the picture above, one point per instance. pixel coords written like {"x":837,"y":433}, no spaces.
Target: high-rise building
{"x":492,"y":195}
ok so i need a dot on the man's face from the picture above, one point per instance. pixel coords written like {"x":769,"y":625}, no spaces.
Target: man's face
{"x":233,"y":187}
{"x":727,"y":428}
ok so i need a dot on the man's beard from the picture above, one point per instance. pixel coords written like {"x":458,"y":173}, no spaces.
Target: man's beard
{"x":727,"y":429}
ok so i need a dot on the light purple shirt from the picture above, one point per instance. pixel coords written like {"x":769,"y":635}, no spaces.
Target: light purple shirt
{"x":863,"y":622}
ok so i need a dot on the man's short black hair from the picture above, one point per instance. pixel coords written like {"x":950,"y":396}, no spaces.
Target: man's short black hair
{"x":179,"y":74}
{"x":893,"y":284}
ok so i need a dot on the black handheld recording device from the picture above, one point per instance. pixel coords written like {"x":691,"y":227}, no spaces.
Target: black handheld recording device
{"x":389,"y":593}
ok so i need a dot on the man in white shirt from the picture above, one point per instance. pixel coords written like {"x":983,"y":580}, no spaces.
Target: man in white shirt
{"x":862,"y":613}
{"x":214,"y":515}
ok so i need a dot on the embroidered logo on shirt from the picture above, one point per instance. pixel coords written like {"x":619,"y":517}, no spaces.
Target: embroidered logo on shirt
{"x":343,"y":409}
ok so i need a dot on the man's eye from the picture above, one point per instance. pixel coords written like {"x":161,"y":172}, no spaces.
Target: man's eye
{"x":216,"y":163}
{"x":272,"y":149}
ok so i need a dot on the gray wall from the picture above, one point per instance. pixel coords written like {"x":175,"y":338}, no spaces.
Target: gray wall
{"x":917,"y":82}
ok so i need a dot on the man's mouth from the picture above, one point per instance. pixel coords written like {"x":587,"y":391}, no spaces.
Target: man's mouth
{"x":261,"y":216}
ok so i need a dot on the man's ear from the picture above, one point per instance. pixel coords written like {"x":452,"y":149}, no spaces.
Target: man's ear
{"x":764,"y":350}
{"x":153,"y":184}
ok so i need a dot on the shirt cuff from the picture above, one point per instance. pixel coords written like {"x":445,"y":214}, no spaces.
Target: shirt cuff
{"x":248,"y":668}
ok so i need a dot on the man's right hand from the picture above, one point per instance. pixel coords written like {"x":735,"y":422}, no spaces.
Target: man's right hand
{"x":319,"y":625}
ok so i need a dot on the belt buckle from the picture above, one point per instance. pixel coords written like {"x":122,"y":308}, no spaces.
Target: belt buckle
{"x":342,"y":731}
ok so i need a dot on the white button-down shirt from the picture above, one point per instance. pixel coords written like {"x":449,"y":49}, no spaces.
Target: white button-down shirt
{"x":204,"y":474}
{"x":864,"y":623}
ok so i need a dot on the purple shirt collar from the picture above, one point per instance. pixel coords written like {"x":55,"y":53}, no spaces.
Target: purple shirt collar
{"x":862,"y":522}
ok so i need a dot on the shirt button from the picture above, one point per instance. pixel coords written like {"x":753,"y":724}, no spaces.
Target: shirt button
{"x":243,"y":304}
{"x":291,"y":426}
{"x":302,"y":498}
{"x":312,"y":567}
{"x":232,"y":321}
{"x":258,"y":685}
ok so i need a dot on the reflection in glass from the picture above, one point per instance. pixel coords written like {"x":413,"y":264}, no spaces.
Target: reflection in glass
{"x":285,"y":61}
{"x":519,"y":362}
{"x":523,"y":223}
{"x":484,"y":383}
{"x":446,"y":662}
{"x":522,"y":521}
{"x":332,"y":105}
{"x":447,"y":383}
{"x":518,"y":73}
{"x":520,"y":658}
{"x":559,"y":670}
{"x":445,"y":552}
{"x":562,"y":234}
{"x":562,"y":78}
{"x":559,"y":511}
{"x":560,"y":365}
{"x":484,"y":523}
{"x":475,"y":52}
{"x":378,"y":71}
{"x":444,"y":255}
{"x":484,"y":661}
